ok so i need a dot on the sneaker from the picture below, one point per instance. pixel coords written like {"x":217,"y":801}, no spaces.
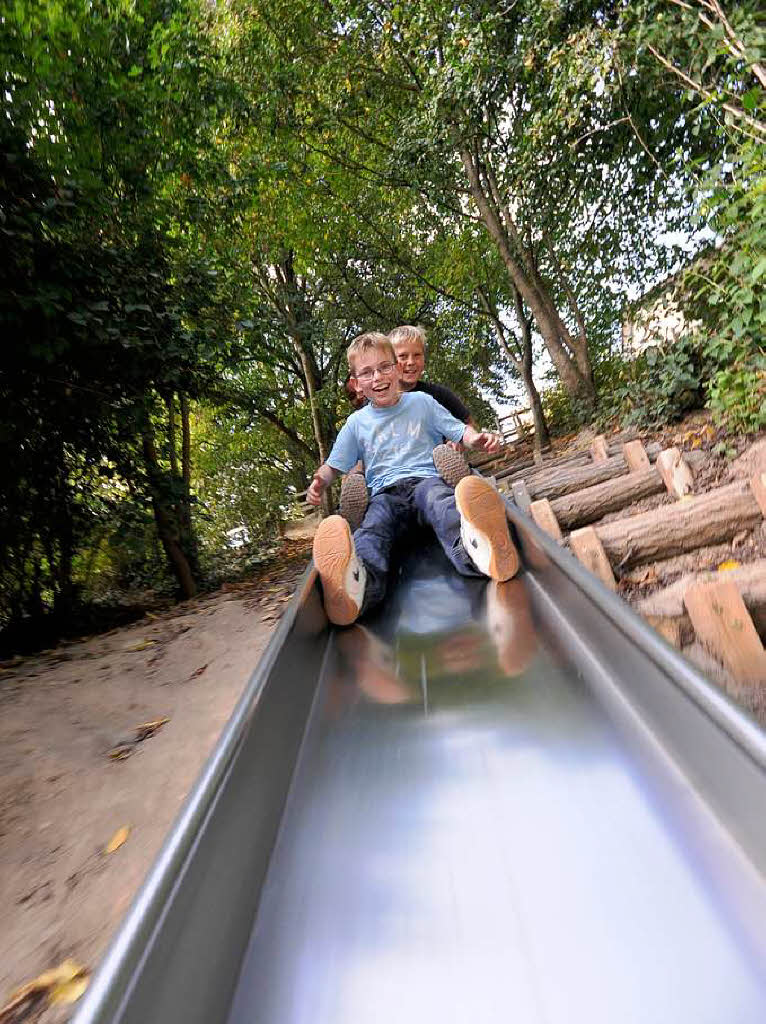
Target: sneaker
{"x":354,"y":498}
{"x":484,"y":528}
{"x":450,"y":465}
{"x":342,"y":574}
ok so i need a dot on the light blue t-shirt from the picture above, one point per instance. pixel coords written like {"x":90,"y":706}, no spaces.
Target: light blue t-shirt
{"x":394,"y":442}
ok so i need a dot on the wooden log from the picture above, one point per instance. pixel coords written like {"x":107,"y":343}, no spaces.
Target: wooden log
{"x":672,"y":529}
{"x":758,"y":487}
{"x":586,"y":545}
{"x":521,"y":495}
{"x":724,"y":626}
{"x":545,"y":517}
{"x":668,"y":604}
{"x":652,"y":449}
{"x":635,"y":456}
{"x":670,"y":629}
{"x":553,"y":483}
{"x":598,"y":449}
{"x":528,"y":467}
{"x":675,"y":472}
{"x":591,"y":503}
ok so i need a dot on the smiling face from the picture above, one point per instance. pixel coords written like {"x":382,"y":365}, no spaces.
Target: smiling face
{"x":412,"y":361}
{"x":377,"y":376}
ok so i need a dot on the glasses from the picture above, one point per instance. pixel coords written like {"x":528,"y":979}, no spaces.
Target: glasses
{"x":382,"y":368}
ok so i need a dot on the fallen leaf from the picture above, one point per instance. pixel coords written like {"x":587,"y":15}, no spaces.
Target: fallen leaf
{"x":147,"y":729}
{"x":141,"y":646}
{"x":70,"y":991}
{"x":117,"y":839}
{"x":197,"y":672}
{"x":122,"y":751}
{"x":62,"y":984}
{"x":730,"y":563}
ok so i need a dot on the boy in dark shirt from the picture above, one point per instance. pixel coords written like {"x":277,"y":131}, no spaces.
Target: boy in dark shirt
{"x":410,"y":347}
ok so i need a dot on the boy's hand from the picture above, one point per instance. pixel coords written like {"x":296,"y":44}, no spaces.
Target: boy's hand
{"x":315,"y":490}
{"x":487,"y":441}
{"x":320,"y":481}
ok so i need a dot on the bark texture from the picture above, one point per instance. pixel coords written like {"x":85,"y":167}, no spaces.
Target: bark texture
{"x":591,"y":503}
{"x":553,"y":483}
{"x":684,"y":526}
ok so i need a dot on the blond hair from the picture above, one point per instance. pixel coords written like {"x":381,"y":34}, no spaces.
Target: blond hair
{"x":408,"y":333}
{"x":363,"y":343}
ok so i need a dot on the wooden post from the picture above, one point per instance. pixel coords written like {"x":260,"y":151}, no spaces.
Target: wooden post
{"x":545,"y":517}
{"x":635,"y":456}
{"x":587,"y":547}
{"x":598,"y":449}
{"x":521,"y":495}
{"x":723,"y":624}
{"x":675,"y":472}
{"x":670,"y":629}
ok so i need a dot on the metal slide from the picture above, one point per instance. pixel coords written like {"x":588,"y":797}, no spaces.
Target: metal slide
{"x":494,"y":803}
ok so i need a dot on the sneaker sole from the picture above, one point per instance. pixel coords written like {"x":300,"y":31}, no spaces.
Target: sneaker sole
{"x":450,"y":465}
{"x":479,"y":503}
{"x":354,"y":499}
{"x":333,"y":548}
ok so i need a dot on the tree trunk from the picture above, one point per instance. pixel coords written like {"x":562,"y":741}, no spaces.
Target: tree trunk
{"x":316,"y":412}
{"x":172,"y":434}
{"x":167,"y":523}
{"x":573,"y":369}
{"x":188,"y":537}
{"x":542,"y":437}
{"x":185,"y":464}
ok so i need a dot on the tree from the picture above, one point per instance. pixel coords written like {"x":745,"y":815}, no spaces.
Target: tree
{"x":512,"y":119}
{"x":714,"y":57}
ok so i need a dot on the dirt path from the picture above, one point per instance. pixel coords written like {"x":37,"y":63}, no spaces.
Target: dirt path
{"x":73,"y":772}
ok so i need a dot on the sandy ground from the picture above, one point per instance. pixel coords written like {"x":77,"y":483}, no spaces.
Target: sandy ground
{"x":64,"y":793}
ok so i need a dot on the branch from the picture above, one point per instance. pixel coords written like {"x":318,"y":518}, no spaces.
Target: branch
{"x":698,"y":87}
{"x":500,"y":330}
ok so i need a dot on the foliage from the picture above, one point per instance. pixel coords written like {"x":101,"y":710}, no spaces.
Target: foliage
{"x":659,"y":386}
{"x":201,"y":204}
{"x":717,"y":58}
{"x":508,"y":121}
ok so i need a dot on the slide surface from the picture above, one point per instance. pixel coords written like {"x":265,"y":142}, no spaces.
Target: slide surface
{"x":468,"y":837}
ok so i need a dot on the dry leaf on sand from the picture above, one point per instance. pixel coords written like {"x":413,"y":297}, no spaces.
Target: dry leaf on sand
{"x":730,"y":563}
{"x":117,"y":839}
{"x":119,"y":753}
{"x":62,"y":984}
{"x":147,"y":729}
{"x":141,"y":646}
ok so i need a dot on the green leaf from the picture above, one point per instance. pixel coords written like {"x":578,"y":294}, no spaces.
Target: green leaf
{"x":758,"y":269}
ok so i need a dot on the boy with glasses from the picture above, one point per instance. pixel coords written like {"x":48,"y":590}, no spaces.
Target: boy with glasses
{"x":394,"y":435}
{"x":409,"y":344}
